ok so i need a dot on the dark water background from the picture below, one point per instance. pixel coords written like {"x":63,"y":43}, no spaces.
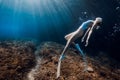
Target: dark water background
{"x":51,"y":20}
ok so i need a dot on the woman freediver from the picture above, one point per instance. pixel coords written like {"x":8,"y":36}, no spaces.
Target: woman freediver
{"x":85,"y":29}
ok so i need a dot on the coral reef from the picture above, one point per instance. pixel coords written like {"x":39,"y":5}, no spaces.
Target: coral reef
{"x":16,"y":59}
{"x":21,"y":60}
{"x":72,"y":67}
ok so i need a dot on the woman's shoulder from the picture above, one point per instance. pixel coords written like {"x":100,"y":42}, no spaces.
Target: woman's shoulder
{"x":89,"y":21}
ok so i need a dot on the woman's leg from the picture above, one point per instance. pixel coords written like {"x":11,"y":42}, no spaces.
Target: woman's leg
{"x":68,"y":36}
{"x":73,"y":37}
{"x":83,"y":55}
{"x":61,"y":56}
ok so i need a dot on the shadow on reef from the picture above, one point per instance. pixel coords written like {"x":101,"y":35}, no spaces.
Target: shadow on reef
{"x":18,"y":62}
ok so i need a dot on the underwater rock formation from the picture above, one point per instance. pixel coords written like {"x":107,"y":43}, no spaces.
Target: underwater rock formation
{"x":21,"y":60}
{"x":16,"y":59}
{"x":72,"y":67}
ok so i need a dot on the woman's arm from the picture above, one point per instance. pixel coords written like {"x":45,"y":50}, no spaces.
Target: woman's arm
{"x":90,"y":32}
{"x":85,"y":35}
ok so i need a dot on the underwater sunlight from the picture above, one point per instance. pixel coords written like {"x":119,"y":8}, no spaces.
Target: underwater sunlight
{"x":32,"y":18}
{"x":59,"y":39}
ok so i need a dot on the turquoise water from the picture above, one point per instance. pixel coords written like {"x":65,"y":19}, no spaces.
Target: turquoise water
{"x":32,"y":18}
{"x":51,"y":20}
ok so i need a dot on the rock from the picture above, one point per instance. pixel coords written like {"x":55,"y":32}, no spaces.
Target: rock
{"x":90,"y":69}
{"x":15,"y":61}
{"x":72,"y":66}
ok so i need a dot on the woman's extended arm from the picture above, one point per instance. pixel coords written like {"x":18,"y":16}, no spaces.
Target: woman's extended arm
{"x":90,"y":32}
{"x":85,"y":35}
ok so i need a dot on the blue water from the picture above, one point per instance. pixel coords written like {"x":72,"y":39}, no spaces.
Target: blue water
{"x":36,"y":18}
{"x":32,"y":18}
{"x":52,"y":19}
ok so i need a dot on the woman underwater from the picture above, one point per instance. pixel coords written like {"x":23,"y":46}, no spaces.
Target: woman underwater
{"x":85,"y":29}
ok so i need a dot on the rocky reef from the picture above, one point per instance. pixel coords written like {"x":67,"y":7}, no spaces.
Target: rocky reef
{"x":21,"y":60}
{"x":16,"y":59}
